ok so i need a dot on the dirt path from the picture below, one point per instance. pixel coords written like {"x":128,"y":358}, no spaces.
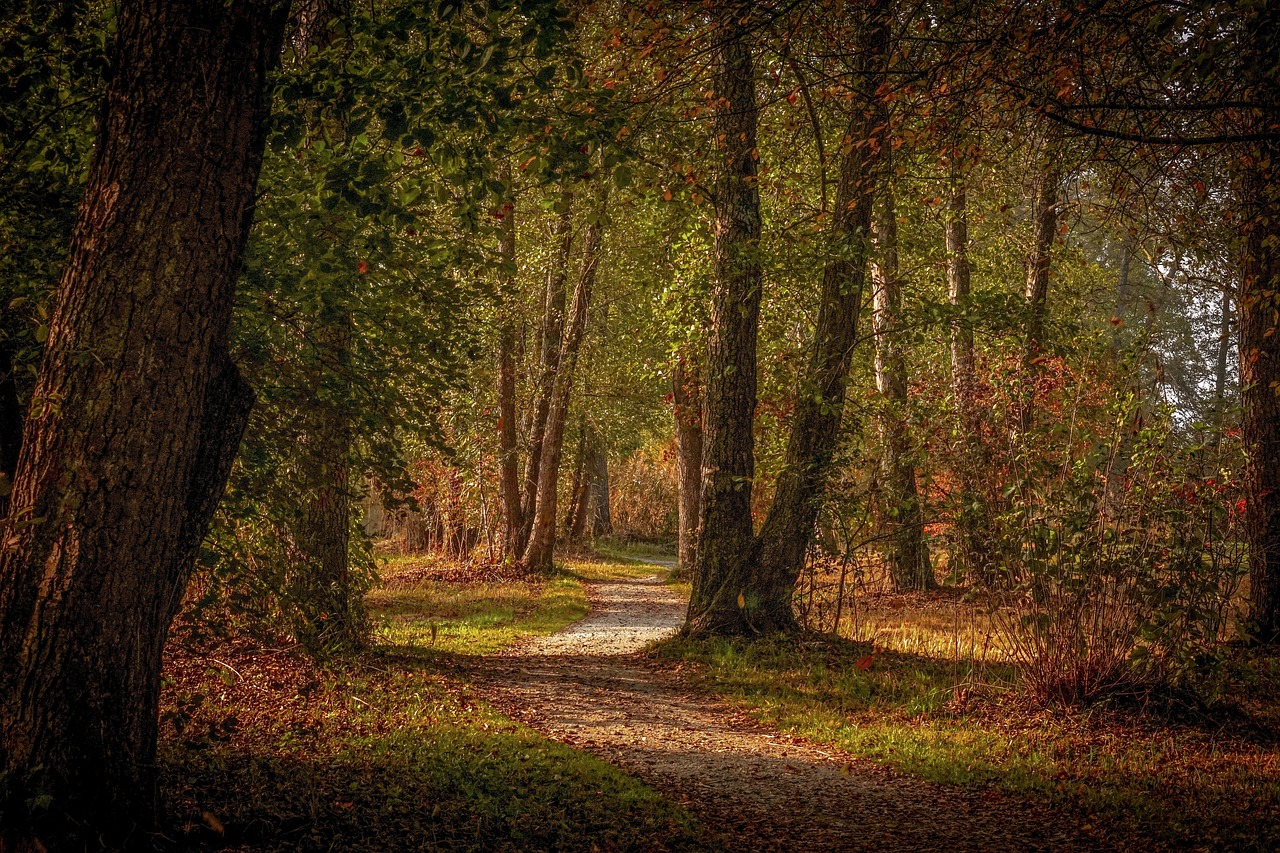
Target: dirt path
{"x":588,"y":686}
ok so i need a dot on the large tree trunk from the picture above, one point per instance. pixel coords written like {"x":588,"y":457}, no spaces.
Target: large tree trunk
{"x":815,"y":431}
{"x":120,"y":473}
{"x":1258,"y":306}
{"x":901,"y":507}
{"x":686,"y":388}
{"x":542,"y":538}
{"x":727,"y":539}
{"x":509,"y":463}
{"x":544,"y":391}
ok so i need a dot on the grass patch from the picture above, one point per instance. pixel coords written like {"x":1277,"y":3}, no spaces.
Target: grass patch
{"x":266,"y":753}
{"x":477,"y":618}
{"x":1203,"y":783}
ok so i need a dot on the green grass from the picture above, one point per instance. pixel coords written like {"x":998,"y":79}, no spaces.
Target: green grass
{"x":1182,"y":783}
{"x":474,"y":619}
{"x":393,"y":751}
{"x":385,"y":754}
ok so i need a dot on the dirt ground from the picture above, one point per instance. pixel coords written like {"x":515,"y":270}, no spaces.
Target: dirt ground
{"x":590,"y":687}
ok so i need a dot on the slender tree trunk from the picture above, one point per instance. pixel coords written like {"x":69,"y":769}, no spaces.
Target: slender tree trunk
{"x":575,"y":521}
{"x":1259,"y":306}
{"x":727,"y":539}
{"x":124,"y":466}
{"x":686,"y":388}
{"x":1225,"y":341}
{"x":973,"y":517}
{"x":508,"y":463}
{"x":552,"y":337}
{"x":902,"y":509}
{"x":1044,"y":228}
{"x":542,"y":538}
{"x":1122,"y":297}
{"x":599,"y":513}
{"x":815,"y":430}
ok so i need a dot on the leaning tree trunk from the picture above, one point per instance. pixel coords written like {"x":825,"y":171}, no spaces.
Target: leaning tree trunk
{"x":686,"y":388}
{"x":901,"y":507}
{"x":542,"y":537}
{"x":121,"y":472}
{"x":726,"y":542}
{"x":815,"y":430}
{"x":1258,"y":307}
{"x":552,"y":337}
{"x":509,"y":463}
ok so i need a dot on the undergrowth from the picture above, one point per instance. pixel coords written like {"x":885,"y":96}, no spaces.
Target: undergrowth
{"x":1211,"y":782}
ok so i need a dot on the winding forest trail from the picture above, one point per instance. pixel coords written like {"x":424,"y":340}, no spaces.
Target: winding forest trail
{"x":589,"y":686}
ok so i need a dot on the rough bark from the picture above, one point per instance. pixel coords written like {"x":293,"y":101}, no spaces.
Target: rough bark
{"x":1258,"y":307}
{"x":720,"y":579}
{"x":138,"y":415}
{"x":686,"y":388}
{"x":542,"y":537}
{"x":508,"y":462}
{"x":815,"y":430}
{"x":901,"y":507}
{"x":549,"y":359}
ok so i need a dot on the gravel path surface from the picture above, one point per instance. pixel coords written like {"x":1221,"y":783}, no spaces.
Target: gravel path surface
{"x":588,"y":686}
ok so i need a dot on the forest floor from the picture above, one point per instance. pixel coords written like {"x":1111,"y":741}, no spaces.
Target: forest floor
{"x":590,"y":687}
{"x":506,"y":713}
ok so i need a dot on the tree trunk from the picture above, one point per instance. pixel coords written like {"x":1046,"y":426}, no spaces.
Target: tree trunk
{"x":815,"y":430}
{"x":902,"y":509}
{"x":1258,"y":306}
{"x":1225,"y":339}
{"x":686,"y":388}
{"x":542,"y":538}
{"x":509,"y":463}
{"x":332,"y":612}
{"x":1044,"y":228}
{"x":552,"y":337}
{"x":599,"y":514}
{"x":973,"y":517}
{"x":124,"y":463}
{"x":575,"y":521}
{"x":726,"y":542}
{"x":10,"y":425}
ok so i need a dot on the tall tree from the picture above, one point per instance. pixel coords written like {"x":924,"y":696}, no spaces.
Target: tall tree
{"x":138,"y":411}
{"x":726,"y":542}
{"x":542,"y":538}
{"x":509,"y":462}
{"x":686,"y":395}
{"x":901,"y":506}
{"x":549,"y":362}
